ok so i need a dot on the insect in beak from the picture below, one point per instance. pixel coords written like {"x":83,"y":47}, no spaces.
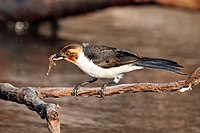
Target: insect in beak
{"x":52,"y":58}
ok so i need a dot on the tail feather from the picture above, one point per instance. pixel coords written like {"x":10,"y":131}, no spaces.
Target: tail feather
{"x":161,"y":64}
{"x":161,"y":61}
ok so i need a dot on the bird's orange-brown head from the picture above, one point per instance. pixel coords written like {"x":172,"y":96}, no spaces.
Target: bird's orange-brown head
{"x":70,"y":53}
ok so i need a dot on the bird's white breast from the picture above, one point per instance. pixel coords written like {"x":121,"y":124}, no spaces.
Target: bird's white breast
{"x":95,"y":71}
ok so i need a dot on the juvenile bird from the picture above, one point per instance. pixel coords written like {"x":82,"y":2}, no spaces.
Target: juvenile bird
{"x":108,"y":62}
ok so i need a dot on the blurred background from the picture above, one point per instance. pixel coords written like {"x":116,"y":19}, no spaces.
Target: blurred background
{"x":32,"y":30}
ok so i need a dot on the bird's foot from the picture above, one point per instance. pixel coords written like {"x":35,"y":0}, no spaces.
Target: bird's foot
{"x":75,"y":91}
{"x":102,"y":91}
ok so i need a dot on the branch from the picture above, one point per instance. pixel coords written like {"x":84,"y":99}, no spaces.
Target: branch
{"x":183,"y":85}
{"x":28,"y":96}
{"x":31,"y":96}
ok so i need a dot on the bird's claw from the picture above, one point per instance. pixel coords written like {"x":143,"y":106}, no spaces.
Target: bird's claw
{"x":75,"y":91}
{"x":102,"y":92}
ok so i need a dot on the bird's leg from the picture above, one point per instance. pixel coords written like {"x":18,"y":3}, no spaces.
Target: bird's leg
{"x":116,"y":80}
{"x":102,"y":90}
{"x":74,"y":91}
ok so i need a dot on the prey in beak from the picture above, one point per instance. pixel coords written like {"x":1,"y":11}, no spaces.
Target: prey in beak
{"x":69,"y":53}
{"x":52,"y":59}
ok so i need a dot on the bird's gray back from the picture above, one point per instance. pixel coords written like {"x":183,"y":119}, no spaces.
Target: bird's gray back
{"x":108,"y":57}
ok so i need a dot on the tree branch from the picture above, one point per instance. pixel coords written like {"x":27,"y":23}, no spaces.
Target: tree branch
{"x":194,"y":79}
{"x":31,"y":96}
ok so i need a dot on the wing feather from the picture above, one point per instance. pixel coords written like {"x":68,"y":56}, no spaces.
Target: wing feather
{"x":108,"y":57}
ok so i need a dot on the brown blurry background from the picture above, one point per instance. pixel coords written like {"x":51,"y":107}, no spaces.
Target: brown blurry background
{"x":148,"y":30}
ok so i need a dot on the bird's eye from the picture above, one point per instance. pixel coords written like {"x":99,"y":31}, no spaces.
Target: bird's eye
{"x":107,"y":61}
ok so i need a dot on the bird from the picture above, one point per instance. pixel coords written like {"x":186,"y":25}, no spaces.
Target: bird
{"x":100,"y":61}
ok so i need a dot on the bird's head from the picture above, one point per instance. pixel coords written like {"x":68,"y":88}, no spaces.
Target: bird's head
{"x":70,"y":53}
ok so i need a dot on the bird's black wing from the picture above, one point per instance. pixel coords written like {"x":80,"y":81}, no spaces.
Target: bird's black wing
{"x":108,"y":57}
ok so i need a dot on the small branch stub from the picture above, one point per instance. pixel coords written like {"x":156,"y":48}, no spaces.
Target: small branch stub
{"x":53,"y":118}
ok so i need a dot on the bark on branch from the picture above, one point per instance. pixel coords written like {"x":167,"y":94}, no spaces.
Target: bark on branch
{"x":31,"y":96}
{"x":194,"y":79}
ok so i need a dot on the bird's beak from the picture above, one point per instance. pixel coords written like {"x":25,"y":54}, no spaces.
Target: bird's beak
{"x":58,"y":56}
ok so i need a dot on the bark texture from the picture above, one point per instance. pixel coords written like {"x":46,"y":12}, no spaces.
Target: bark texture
{"x":29,"y":97}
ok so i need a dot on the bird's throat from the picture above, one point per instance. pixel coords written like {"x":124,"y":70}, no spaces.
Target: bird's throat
{"x":72,"y":59}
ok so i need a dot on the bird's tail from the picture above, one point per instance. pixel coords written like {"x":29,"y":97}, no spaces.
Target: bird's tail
{"x":160,"y":64}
